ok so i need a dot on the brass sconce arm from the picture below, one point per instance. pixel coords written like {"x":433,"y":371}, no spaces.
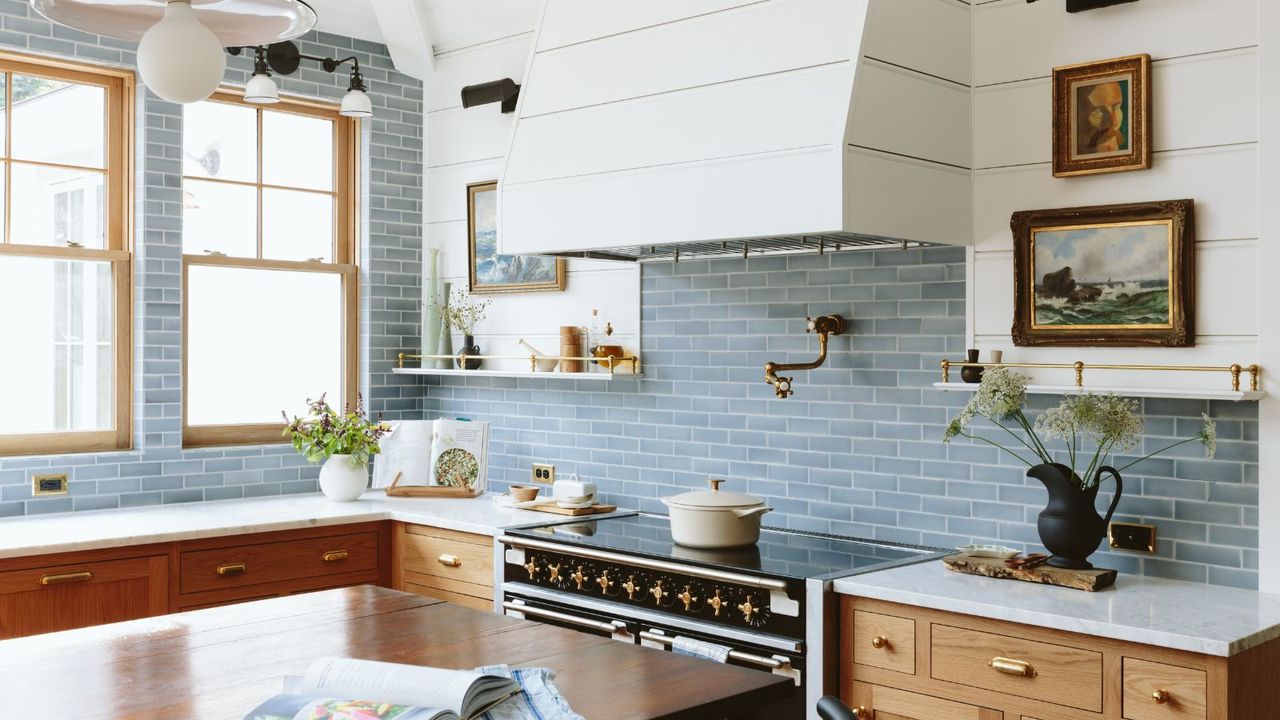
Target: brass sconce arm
{"x":824,"y":326}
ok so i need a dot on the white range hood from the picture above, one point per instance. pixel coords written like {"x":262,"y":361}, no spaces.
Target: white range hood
{"x":721,"y":127}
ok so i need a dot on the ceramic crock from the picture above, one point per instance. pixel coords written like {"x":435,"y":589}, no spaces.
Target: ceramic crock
{"x":715,"y":519}
{"x":341,"y":482}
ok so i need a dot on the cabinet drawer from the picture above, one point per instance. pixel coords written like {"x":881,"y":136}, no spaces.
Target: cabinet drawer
{"x":1024,"y":668}
{"x":249,"y":565}
{"x":884,"y":641}
{"x":458,"y":556}
{"x":1153,"y":691}
{"x":883,"y":703}
{"x":62,"y":597}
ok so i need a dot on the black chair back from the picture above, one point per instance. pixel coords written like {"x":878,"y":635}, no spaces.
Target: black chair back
{"x":830,"y":708}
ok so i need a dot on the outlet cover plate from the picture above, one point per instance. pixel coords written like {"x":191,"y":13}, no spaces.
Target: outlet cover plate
{"x":51,"y":484}
{"x":1132,"y":536}
{"x":543,"y":473}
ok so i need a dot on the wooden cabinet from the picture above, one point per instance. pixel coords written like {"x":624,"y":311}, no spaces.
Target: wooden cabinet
{"x":453,"y":566}
{"x":218,"y":571}
{"x":974,"y":668}
{"x":73,"y":590}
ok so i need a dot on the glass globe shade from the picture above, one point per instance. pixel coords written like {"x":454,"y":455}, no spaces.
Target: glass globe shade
{"x":180,"y":59}
{"x":261,"y":89}
{"x":356,"y":103}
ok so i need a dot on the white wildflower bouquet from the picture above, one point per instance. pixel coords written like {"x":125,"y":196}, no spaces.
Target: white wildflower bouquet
{"x":1105,"y":423}
{"x":461,"y":313}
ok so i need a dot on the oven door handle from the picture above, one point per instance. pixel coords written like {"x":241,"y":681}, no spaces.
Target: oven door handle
{"x":762,"y":661}
{"x":613,"y":628}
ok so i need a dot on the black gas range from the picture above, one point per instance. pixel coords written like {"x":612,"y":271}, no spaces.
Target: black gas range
{"x":624,"y":577}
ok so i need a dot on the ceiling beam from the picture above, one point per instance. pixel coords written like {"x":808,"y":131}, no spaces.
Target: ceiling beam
{"x":407,"y":34}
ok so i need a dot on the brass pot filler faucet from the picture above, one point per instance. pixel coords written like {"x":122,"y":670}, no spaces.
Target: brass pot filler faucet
{"x":825,"y":326}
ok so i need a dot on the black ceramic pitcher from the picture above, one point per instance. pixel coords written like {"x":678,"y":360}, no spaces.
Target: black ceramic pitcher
{"x":1070,"y":526}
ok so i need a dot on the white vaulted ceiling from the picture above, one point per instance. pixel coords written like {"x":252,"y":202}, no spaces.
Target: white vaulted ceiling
{"x":452,"y":24}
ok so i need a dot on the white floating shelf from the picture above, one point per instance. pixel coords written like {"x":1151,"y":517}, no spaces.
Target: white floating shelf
{"x":1176,"y":393}
{"x":454,"y":372}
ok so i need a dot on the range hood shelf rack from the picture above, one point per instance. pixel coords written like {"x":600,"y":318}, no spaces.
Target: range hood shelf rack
{"x":759,"y":247}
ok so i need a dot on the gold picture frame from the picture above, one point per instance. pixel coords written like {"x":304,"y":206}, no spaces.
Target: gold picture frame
{"x":489,"y":272}
{"x":1102,"y":116}
{"x":1118,"y":275}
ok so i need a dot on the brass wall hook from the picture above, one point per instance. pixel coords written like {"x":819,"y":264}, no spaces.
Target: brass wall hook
{"x":824,"y":326}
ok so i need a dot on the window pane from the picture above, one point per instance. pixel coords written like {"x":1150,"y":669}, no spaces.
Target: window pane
{"x":297,"y":225}
{"x":61,"y":375}
{"x":57,"y":206}
{"x":4,"y":116}
{"x":297,"y":150}
{"x":220,"y":140}
{"x":219,"y":217}
{"x":260,"y":341}
{"x":58,"y":122}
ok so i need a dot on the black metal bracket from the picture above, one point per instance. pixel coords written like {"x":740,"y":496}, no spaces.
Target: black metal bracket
{"x":1075,"y":6}
{"x":505,"y":91}
{"x":285,"y":57}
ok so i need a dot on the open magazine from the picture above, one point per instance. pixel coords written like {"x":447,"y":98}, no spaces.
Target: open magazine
{"x":347,"y":689}
{"x":443,"y":452}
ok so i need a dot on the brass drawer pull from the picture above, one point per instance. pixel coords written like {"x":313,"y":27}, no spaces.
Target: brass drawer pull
{"x":1160,"y":697}
{"x":231,"y":569}
{"x":58,"y":579}
{"x":860,"y":713}
{"x":879,"y":642}
{"x":450,"y":560}
{"x":334,"y":556}
{"x":1009,"y":666}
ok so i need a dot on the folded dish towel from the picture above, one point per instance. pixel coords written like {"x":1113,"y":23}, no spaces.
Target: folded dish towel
{"x":682,"y":645}
{"x":538,"y":699}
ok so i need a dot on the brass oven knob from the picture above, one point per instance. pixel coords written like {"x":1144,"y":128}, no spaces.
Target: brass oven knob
{"x":532,"y":568}
{"x":579,"y":577}
{"x":658,"y":592}
{"x":604,"y":582}
{"x":553,"y":573}
{"x":716,"y":603}
{"x":687,"y":598}
{"x":1160,"y":697}
{"x":879,"y":642}
{"x":748,"y":610}
{"x":631,"y":587}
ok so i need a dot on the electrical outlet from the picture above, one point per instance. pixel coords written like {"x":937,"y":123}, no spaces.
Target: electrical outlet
{"x":1132,"y":536}
{"x":544,"y":473}
{"x":52,"y":484}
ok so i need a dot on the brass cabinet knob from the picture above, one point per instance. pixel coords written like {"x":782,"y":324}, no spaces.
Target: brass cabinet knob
{"x":860,"y":713}
{"x":879,"y":642}
{"x":604,"y":582}
{"x":716,"y":603}
{"x":658,"y":592}
{"x":1160,"y":697}
{"x":553,"y":572}
{"x":451,"y":561}
{"x":579,"y":577}
{"x":748,"y":610}
{"x":531,"y":567}
{"x":631,"y":587}
{"x":687,"y":598}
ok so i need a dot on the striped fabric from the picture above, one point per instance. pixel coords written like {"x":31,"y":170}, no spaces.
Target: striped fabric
{"x":682,"y":645}
{"x":538,"y":698}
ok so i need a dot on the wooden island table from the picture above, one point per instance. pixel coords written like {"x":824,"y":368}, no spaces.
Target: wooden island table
{"x":221,"y":662}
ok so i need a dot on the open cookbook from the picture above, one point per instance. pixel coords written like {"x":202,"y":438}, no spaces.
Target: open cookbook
{"x":435,"y":453}
{"x":347,"y":689}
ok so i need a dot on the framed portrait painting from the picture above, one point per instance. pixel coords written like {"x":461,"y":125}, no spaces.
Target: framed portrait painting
{"x":1120,"y":275}
{"x":1102,"y":116}
{"x":493,"y":273}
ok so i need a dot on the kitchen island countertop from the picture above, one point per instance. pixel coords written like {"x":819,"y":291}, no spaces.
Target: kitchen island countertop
{"x":1207,"y":619}
{"x":89,"y":530}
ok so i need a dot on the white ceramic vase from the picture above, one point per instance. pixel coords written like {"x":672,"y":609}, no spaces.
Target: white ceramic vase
{"x":341,"y":482}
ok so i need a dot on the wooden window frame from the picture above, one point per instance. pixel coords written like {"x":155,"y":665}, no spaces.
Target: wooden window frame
{"x":346,"y":168}
{"x":118,"y":127}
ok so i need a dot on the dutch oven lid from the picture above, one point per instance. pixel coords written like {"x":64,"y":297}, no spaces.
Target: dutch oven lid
{"x":713,"y":499}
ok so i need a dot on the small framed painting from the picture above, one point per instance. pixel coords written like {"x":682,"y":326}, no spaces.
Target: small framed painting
{"x":1102,"y":116}
{"x":494,"y":273}
{"x":1121,"y":275}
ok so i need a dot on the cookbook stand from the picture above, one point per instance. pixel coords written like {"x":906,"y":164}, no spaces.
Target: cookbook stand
{"x":437,"y":491}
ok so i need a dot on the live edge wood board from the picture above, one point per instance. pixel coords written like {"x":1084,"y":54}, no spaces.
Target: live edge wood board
{"x":907,"y":663}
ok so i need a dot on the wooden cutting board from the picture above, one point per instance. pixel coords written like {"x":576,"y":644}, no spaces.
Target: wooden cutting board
{"x":551,"y":507}
{"x":1089,"y":580}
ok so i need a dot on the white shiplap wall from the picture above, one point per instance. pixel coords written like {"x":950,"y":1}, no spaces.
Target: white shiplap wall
{"x":468,"y":146}
{"x":1205,"y":131}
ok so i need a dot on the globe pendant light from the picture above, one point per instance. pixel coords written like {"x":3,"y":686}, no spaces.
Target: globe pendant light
{"x":180,"y":59}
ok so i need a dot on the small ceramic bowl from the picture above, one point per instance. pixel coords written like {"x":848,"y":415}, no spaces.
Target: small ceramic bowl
{"x":523,"y":493}
{"x":988,"y":551}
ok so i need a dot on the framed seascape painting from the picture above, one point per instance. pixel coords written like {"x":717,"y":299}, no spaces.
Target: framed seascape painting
{"x":1102,"y":116}
{"x":1120,"y":275}
{"x":494,"y":273}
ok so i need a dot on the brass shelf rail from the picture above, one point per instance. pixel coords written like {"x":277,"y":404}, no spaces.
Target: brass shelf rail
{"x":1255,"y":371}
{"x":609,"y":361}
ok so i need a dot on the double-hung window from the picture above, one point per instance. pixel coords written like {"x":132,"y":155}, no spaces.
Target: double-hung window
{"x":65,"y":263}
{"x":269,"y":274}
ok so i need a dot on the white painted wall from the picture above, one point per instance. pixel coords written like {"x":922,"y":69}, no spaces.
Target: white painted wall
{"x":1205,"y":128}
{"x":468,"y":146}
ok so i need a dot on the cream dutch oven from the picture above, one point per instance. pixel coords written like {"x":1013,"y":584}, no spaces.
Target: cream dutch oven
{"x":715,"y":519}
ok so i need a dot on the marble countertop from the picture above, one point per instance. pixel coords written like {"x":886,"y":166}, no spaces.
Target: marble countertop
{"x":1205,"y":619}
{"x":41,"y":534}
